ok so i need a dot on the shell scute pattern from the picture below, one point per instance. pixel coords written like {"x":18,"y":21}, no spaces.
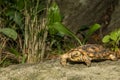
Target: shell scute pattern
{"x":87,"y":53}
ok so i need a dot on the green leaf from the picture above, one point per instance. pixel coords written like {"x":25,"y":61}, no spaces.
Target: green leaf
{"x":51,"y":30}
{"x":106,"y":39}
{"x":9,"y":32}
{"x":113,"y":39}
{"x":54,"y":14}
{"x":63,"y":30}
{"x":54,"y":22}
{"x":93,"y":28}
{"x":113,"y":36}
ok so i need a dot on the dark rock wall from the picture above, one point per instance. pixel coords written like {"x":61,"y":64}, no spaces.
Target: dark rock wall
{"x":87,"y":12}
{"x":115,"y":18}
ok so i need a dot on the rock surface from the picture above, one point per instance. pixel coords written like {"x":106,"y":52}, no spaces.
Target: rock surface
{"x":52,"y":70}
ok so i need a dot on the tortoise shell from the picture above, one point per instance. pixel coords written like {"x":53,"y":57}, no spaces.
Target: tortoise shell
{"x":87,"y":53}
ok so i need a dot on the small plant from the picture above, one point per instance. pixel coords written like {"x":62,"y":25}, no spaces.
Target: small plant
{"x":8,"y":33}
{"x":87,"y":31}
{"x":55,"y":25}
{"x":56,"y":30}
{"x":11,"y":33}
{"x":112,"y":39}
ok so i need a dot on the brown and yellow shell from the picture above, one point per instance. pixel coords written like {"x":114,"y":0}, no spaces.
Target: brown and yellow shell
{"x":87,"y":53}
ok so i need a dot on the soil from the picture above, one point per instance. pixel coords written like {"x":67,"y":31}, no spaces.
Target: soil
{"x":52,"y":70}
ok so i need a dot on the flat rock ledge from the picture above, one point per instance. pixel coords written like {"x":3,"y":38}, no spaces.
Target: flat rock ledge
{"x":52,"y":70}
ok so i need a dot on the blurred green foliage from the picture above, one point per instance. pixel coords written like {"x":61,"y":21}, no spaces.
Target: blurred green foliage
{"x":112,"y":39}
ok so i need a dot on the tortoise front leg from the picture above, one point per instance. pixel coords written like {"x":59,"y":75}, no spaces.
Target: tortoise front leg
{"x":63,"y":59}
{"x":87,"y":60}
{"x":63,"y":62}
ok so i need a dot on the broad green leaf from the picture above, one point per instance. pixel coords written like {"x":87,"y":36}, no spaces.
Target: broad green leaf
{"x":54,"y":22}
{"x":113,"y":36}
{"x":51,"y":30}
{"x":54,"y":14}
{"x":9,"y":32}
{"x":63,"y":30}
{"x":93,"y":28}
{"x":106,"y":39}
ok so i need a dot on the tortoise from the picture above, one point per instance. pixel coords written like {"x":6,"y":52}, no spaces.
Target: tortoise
{"x":87,"y":53}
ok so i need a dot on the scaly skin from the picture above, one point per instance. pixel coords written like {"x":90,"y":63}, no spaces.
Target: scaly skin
{"x":87,"y":53}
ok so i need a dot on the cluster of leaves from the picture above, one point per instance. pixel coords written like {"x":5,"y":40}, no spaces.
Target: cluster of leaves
{"x":12,"y":14}
{"x":56,"y":29}
{"x":112,"y":39}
